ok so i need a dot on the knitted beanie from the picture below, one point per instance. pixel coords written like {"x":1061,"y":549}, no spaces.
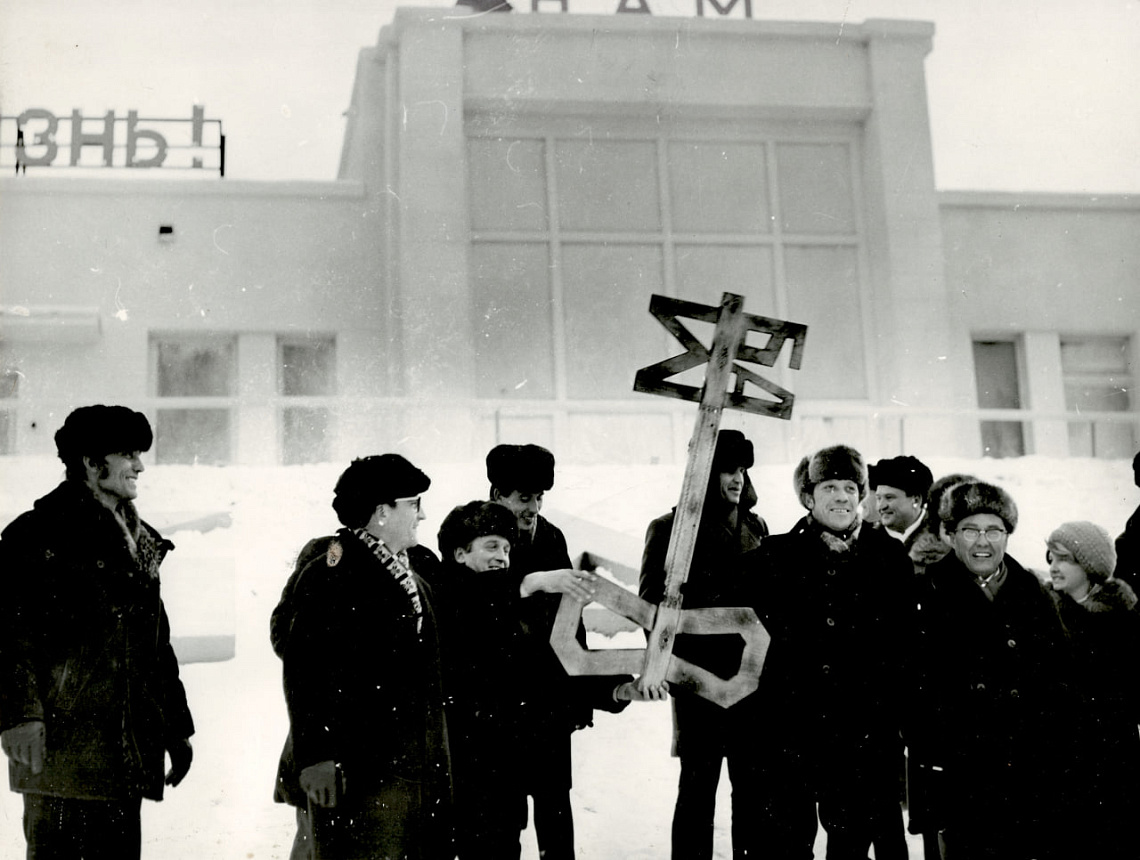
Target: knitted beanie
{"x":1089,"y":545}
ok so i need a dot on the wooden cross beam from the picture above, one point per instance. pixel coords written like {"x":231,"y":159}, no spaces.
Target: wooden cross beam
{"x":656,"y":662}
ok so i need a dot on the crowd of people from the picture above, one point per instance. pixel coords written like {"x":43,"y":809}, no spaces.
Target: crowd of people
{"x":913,"y":664}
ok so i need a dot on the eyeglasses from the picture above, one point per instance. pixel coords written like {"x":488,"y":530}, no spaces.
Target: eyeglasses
{"x":414,"y":500}
{"x":993,"y":534}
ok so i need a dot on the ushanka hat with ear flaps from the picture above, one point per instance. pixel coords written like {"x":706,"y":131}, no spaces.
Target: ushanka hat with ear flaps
{"x":526,"y":468}
{"x":977,"y":497}
{"x":1089,"y":545}
{"x":836,"y":463}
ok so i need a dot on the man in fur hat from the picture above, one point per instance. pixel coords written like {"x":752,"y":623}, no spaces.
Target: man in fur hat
{"x":994,"y":665}
{"x":900,"y":485}
{"x":90,"y":698}
{"x":704,"y":733}
{"x":520,"y":476}
{"x":835,"y":598}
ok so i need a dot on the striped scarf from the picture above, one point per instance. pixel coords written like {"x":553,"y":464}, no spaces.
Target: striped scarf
{"x":397,"y":566}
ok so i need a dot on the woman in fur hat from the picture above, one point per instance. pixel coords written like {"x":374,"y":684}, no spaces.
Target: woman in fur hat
{"x":836,"y":598}
{"x":1101,"y":615}
{"x":994,"y":710}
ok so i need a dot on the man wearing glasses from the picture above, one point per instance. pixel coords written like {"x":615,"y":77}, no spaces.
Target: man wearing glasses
{"x":993,"y":663}
{"x":366,"y":762}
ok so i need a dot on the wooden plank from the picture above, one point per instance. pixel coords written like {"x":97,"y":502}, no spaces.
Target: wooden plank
{"x":727,"y":337}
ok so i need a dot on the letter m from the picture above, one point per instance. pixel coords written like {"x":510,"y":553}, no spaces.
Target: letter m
{"x":725,"y":9}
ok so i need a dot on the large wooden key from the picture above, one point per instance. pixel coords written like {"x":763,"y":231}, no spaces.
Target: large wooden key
{"x":656,"y":662}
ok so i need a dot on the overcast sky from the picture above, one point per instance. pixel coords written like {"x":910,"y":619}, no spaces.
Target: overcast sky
{"x":1039,"y":95}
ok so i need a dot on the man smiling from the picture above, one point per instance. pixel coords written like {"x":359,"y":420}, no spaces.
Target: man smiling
{"x":90,"y":698}
{"x":900,"y":485}
{"x":834,"y":596}
{"x":993,"y":663}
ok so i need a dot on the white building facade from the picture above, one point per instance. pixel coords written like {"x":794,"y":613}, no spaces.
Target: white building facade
{"x":512,"y":191}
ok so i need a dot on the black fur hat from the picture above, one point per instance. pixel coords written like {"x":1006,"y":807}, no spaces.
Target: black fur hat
{"x":837,"y":462}
{"x":907,"y":473}
{"x":371,"y":481}
{"x":526,"y":468}
{"x":99,"y":430}
{"x":977,"y":497}
{"x":474,"y":520}
{"x":733,"y":451}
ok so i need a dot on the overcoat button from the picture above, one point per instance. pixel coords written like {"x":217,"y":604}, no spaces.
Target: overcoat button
{"x":830,"y":622}
{"x":99,"y":564}
{"x":1011,"y":643}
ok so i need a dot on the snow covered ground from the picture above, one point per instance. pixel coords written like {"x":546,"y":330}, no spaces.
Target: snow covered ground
{"x":226,"y":580}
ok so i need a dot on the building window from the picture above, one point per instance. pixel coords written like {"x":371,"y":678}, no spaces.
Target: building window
{"x":9,"y":391}
{"x":998,"y":375}
{"x":573,"y":232}
{"x":1097,"y":375}
{"x":307,"y":370}
{"x":198,"y":375}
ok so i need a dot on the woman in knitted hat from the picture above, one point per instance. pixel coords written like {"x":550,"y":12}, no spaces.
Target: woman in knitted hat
{"x":993,"y":712}
{"x":1103,"y":620}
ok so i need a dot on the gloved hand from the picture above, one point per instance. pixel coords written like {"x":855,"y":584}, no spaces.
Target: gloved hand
{"x":25,"y":744}
{"x":318,"y":781}
{"x":181,"y":754}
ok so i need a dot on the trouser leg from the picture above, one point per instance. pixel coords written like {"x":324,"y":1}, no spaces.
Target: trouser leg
{"x":554,"y":824}
{"x":695,"y":811}
{"x":63,"y":828}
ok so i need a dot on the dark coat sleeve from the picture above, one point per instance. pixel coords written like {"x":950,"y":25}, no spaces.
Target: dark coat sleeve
{"x":281,"y":621}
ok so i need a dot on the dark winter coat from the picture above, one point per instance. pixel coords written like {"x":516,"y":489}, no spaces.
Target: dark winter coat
{"x":560,"y":703}
{"x":701,"y":725}
{"x":1105,"y":635}
{"x":832,"y":691}
{"x":1128,"y":551}
{"x":86,"y":649}
{"x":489,"y":707}
{"x":995,"y":705}
{"x":363,"y":688}
{"x":422,"y":560}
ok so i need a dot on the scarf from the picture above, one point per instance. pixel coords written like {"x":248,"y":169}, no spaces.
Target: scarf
{"x":397,"y":566}
{"x":991,"y":584}
{"x":835,"y":541}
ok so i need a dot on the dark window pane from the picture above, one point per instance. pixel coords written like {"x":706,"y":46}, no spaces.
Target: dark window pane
{"x":718,"y":187}
{"x":191,"y":436}
{"x":195,"y":369}
{"x":996,"y":373}
{"x":305,"y":435}
{"x":308,"y":369}
{"x":607,"y":185}
{"x":508,"y":183}
{"x":514,"y":342}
